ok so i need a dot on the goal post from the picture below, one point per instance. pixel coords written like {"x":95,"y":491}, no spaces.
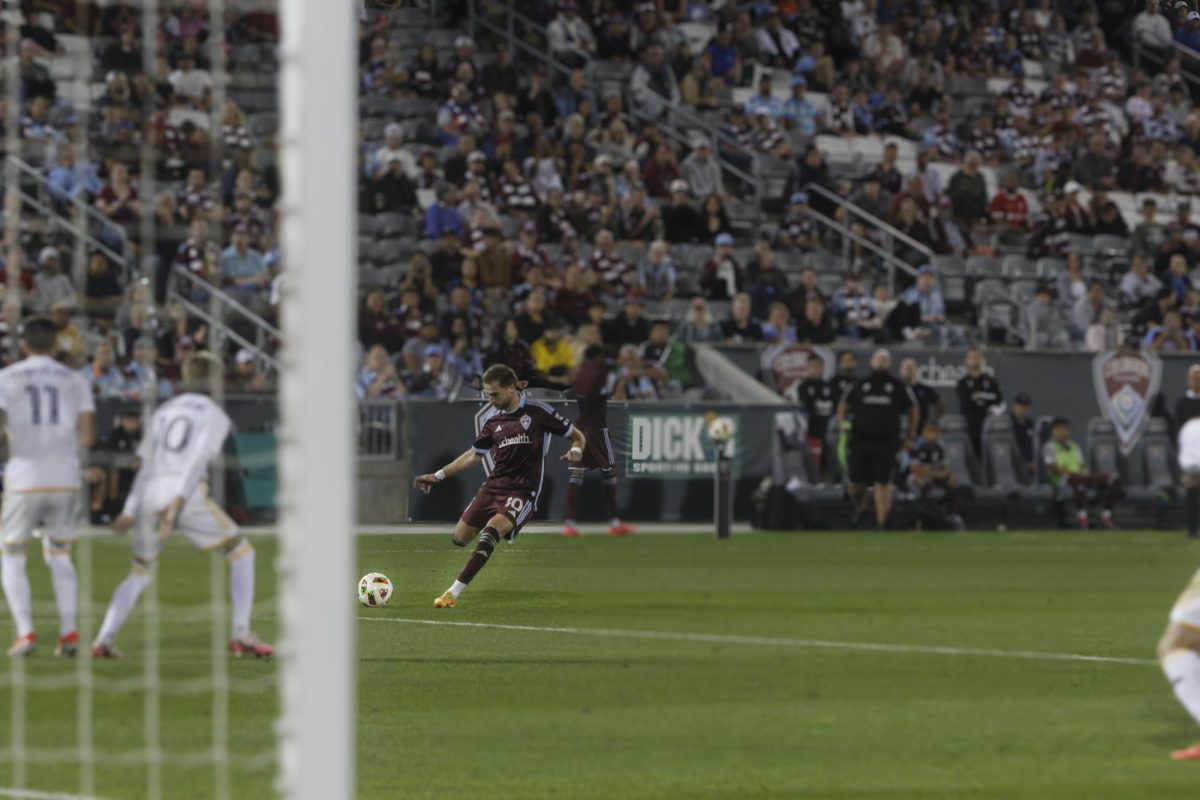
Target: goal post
{"x":318,"y":95}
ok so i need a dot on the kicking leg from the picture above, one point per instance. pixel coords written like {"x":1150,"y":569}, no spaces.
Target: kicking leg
{"x":123,"y":601}
{"x":574,"y":490}
{"x":615,"y":526}
{"x":57,"y":556}
{"x":241,"y":556}
{"x":1179,"y":656}
{"x":19,"y":597}
{"x":497,"y":528}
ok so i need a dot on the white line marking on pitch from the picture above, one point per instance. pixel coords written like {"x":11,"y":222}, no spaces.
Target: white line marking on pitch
{"x":769,"y":641}
{"x":30,"y":794}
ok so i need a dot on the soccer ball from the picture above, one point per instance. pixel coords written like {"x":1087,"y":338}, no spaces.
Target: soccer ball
{"x":374,"y":590}
{"x":721,"y":429}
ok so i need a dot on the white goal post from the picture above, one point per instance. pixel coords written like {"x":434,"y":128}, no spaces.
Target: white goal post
{"x":319,"y":99}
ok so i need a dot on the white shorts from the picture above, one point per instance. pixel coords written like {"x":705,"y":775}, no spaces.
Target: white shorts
{"x":202,"y":521}
{"x":1186,"y":610}
{"x":55,"y":513}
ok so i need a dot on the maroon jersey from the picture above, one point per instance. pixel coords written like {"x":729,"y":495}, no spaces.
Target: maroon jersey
{"x":514,"y":444}
{"x":591,"y":393}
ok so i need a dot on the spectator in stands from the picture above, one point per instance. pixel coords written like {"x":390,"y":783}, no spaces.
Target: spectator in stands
{"x":967,"y":192}
{"x":656,"y":272}
{"x":103,"y":292}
{"x":723,"y":55}
{"x":553,"y":357}
{"x":927,"y":298}
{"x":434,"y":378}
{"x":1072,"y":283}
{"x":762,"y":99}
{"x":722,"y":276}
{"x":1188,"y":34}
{"x":630,"y":327}
{"x":1151,"y":29}
{"x":118,"y":200}
{"x":661,"y":171}
{"x":533,"y":321}
{"x":1010,"y":210}
{"x":652,"y":87}
{"x":698,"y":88}
{"x":1169,"y":336}
{"x":680,"y":220}
{"x":740,"y":327}
{"x":570,"y":37}
{"x":1137,"y":286}
{"x":633,"y":380}
{"x":816,"y":325}
{"x":51,"y":285}
{"x":247,"y":377}
{"x":699,"y":325}
{"x":702,"y":171}
{"x":852,"y":306}
{"x":777,"y":46}
{"x":377,"y":325}
{"x":797,"y":230}
{"x":766,"y":282}
{"x":614,"y":276}
{"x":103,"y":374}
{"x":1043,"y":321}
{"x":1104,"y":334}
{"x":1177,"y":278}
{"x":1086,"y":311}
{"x":778,"y":328}
{"x":378,"y":379}
{"x":243,"y":270}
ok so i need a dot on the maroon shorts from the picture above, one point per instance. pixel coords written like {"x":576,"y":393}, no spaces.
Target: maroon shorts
{"x":598,"y":451}
{"x":515,"y":504}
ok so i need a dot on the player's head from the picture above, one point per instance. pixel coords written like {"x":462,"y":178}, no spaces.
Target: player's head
{"x":500,"y":386}
{"x":973,"y":359}
{"x":1060,"y":429}
{"x":930,"y":431}
{"x":815,"y":368}
{"x":881,"y":360}
{"x":200,"y":369}
{"x":1193,"y":378}
{"x":131,"y":418}
{"x":908,"y":370}
{"x":39,"y":337}
{"x":847,"y":363}
{"x":593,"y":354}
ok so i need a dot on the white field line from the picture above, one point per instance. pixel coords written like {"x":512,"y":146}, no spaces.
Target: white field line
{"x":30,"y":794}
{"x":770,"y":641}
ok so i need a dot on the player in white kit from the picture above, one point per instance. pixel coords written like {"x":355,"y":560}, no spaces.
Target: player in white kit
{"x":1179,"y":648}
{"x":48,"y":416}
{"x":186,"y":433}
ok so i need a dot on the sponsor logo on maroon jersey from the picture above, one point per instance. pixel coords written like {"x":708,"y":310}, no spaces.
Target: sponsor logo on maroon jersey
{"x":1125,"y":382}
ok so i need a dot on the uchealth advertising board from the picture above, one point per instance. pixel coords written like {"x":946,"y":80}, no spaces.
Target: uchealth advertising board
{"x":675,"y":444}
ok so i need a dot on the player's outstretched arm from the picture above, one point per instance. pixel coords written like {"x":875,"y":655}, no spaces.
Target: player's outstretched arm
{"x":578,"y":441}
{"x":425,"y":483}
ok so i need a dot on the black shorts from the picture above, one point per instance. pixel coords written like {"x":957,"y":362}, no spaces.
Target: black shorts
{"x":872,"y":460}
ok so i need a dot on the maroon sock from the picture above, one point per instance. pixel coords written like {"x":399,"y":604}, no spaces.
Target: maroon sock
{"x":610,"y":496}
{"x":574,"y":488}
{"x":483,"y":550}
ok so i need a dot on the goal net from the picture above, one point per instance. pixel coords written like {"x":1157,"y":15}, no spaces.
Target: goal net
{"x":178,"y":179}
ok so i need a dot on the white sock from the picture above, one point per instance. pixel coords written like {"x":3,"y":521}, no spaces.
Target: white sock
{"x":614,"y":522}
{"x":570,"y":523}
{"x":17,"y":592}
{"x":241,"y":592}
{"x":123,"y":601}
{"x":457,"y":588}
{"x":66,"y":589}
{"x":1182,"y":668}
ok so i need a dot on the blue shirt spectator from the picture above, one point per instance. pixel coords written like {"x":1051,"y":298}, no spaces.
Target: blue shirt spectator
{"x":439,"y":218}
{"x":242,"y":265}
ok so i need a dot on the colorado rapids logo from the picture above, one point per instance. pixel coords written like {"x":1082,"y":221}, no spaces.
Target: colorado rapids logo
{"x":1125,"y":382}
{"x":526,"y":422}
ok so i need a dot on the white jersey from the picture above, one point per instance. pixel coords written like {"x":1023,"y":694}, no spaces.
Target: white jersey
{"x":186,"y":433}
{"x":1189,"y":446}
{"x":42,"y":401}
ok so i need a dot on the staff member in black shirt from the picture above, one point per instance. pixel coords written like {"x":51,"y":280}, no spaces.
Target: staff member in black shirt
{"x":817,"y":401}
{"x":930,"y":405}
{"x":1189,"y":405}
{"x":877,"y":403}
{"x":977,"y":393}
{"x":1022,"y":425}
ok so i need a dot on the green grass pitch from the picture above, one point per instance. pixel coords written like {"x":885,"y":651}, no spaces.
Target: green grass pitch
{"x":764,"y":684}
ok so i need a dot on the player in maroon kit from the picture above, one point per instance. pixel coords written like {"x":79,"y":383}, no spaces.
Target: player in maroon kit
{"x":591,"y":393}
{"x":512,"y":443}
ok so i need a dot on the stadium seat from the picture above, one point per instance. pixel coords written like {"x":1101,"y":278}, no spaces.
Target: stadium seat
{"x":983,"y":267}
{"x":1002,"y":465}
{"x":959,"y":455}
{"x":1103,"y":455}
{"x":1153,"y":460}
{"x":1016,"y":267}
{"x":1049,"y":268}
{"x":1108,"y":246}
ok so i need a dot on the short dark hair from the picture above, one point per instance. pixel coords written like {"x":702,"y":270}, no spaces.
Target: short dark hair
{"x":1059,"y":421}
{"x":40,"y":336}
{"x":501,"y":374}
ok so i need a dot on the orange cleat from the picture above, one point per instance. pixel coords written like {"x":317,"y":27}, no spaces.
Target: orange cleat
{"x":447,"y":600}
{"x":620,"y":529}
{"x":23,"y":645}
{"x":571,"y":531}
{"x":250,"y":645}
{"x":106,"y":650}
{"x":68,"y":645}
{"x":1187,"y":754}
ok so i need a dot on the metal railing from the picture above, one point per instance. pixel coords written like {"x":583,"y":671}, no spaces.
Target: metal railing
{"x":51,"y":204}
{"x":379,"y":430}
{"x":680,"y":119}
{"x":890,"y":232}
{"x":1189,"y":61}
{"x":891,"y":262}
{"x":223,"y":314}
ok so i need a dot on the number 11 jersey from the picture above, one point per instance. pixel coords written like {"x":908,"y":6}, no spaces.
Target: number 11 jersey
{"x":42,"y":401}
